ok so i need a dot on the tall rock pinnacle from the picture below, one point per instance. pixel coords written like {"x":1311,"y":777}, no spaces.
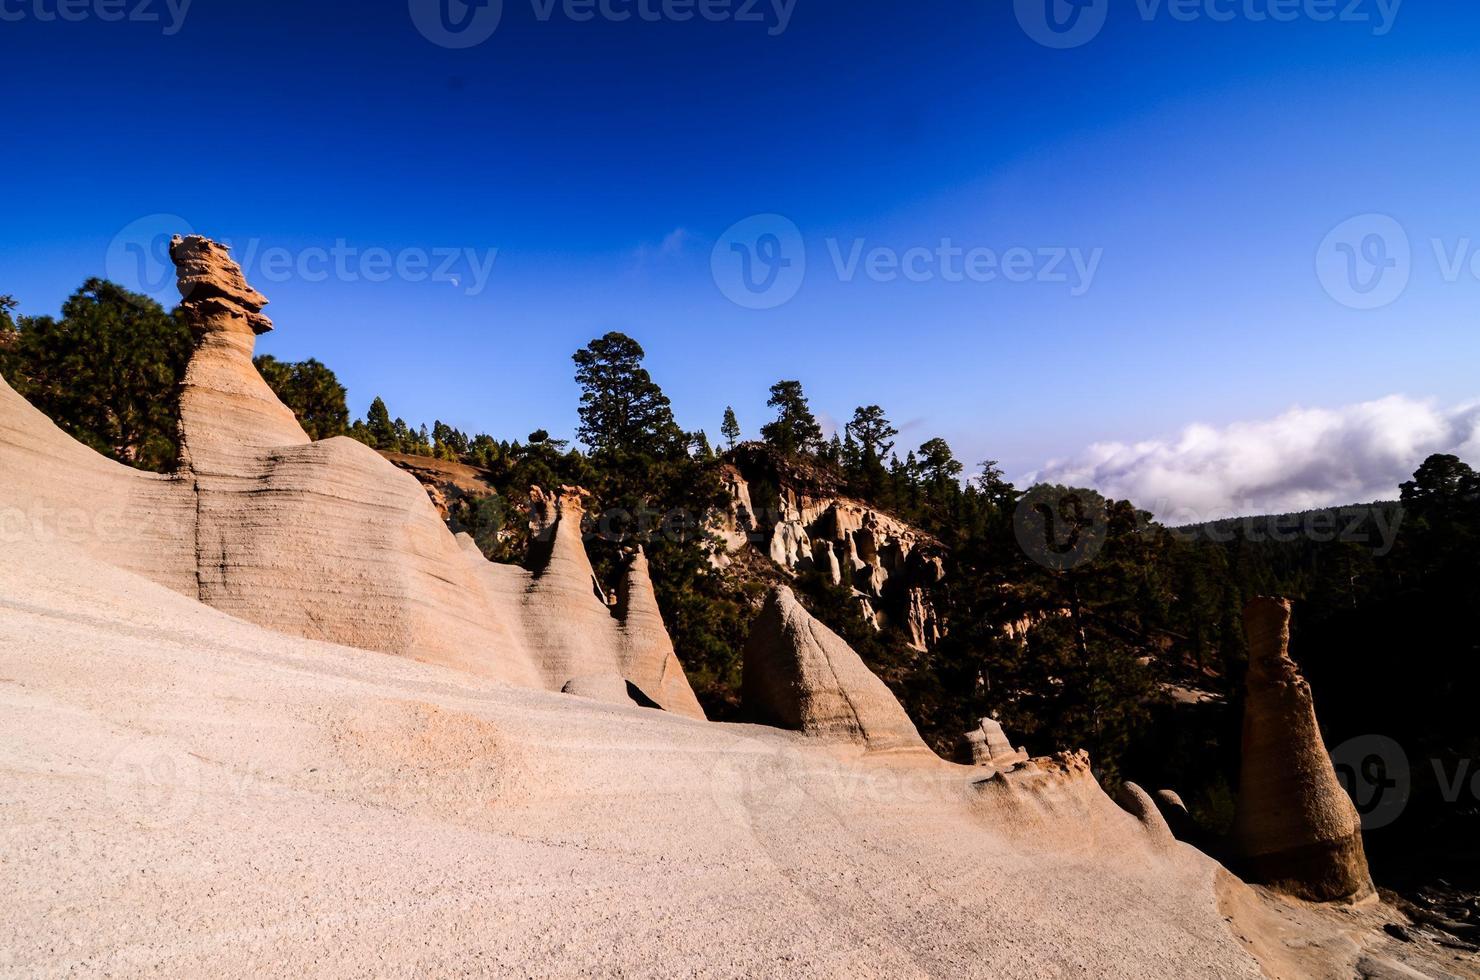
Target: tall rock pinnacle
{"x":1295,"y":828}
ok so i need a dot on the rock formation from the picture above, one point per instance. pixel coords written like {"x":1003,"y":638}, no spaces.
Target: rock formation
{"x":645,"y":650}
{"x":1295,"y":829}
{"x":798,"y":674}
{"x":889,"y":565}
{"x":324,"y":540}
{"x":1135,"y":801}
{"x":1057,"y":804}
{"x":1177,"y":816}
{"x":987,"y":745}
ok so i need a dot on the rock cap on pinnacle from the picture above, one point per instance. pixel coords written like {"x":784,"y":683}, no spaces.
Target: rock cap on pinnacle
{"x":211,"y":283}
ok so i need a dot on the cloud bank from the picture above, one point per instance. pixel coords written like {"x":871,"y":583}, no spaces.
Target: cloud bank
{"x":1304,"y":458}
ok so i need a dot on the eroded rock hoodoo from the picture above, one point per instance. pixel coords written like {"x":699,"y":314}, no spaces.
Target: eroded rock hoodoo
{"x":987,"y":745}
{"x":798,"y":674}
{"x":327,"y":540}
{"x":1295,"y":829}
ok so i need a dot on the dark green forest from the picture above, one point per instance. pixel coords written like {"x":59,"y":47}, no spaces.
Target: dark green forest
{"x":1075,"y":620}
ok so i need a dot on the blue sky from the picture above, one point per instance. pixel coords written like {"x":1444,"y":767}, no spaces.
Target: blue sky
{"x":1197,"y":160}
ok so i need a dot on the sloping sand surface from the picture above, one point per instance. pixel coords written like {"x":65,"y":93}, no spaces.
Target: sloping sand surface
{"x":188,"y":793}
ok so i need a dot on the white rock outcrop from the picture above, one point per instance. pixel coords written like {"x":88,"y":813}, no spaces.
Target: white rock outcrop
{"x":323,"y":540}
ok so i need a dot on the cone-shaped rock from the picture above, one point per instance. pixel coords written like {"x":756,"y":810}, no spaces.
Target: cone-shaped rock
{"x":798,"y":674}
{"x":1295,"y":828}
{"x":647,"y":656}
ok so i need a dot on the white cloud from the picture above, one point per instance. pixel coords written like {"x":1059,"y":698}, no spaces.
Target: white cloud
{"x":674,"y":246}
{"x":1304,"y":458}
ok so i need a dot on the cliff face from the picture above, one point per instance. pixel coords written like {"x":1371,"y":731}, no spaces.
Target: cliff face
{"x":800,"y":518}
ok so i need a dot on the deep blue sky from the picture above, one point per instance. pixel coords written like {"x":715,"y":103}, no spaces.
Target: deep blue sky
{"x":1208,"y":160}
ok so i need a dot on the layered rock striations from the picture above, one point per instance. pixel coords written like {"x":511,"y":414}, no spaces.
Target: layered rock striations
{"x":1295,"y":829}
{"x":325,"y":540}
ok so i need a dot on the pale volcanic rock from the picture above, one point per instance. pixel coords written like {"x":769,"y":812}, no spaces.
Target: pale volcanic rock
{"x":190,"y":795}
{"x":610,"y":688}
{"x":1057,"y":803}
{"x":54,"y":488}
{"x":1138,"y":803}
{"x":1295,"y":829}
{"x":1177,"y":816}
{"x":323,"y":540}
{"x":646,"y":650}
{"x":798,"y":674}
{"x":212,"y":285}
{"x":889,"y":565}
{"x":987,"y":745}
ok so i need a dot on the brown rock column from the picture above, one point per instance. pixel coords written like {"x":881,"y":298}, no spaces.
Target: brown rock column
{"x":1295,"y":828}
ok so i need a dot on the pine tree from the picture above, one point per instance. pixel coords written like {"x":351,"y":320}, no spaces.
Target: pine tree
{"x":873,"y":431}
{"x":623,"y":411}
{"x":730,"y":428}
{"x":795,"y":429}
{"x":311,"y":390}
{"x":379,"y":428}
{"x":937,"y":463}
